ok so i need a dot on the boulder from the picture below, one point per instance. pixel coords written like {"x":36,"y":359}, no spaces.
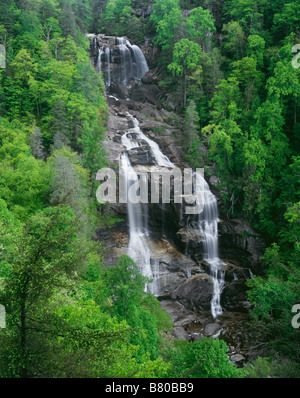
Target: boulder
{"x":120,"y":90}
{"x":180,"y":333}
{"x":234,"y":296}
{"x":190,"y":240}
{"x":237,"y":359}
{"x":181,"y":315}
{"x":146,"y":93}
{"x":141,"y":156}
{"x":149,"y":78}
{"x":195,"y":293}
{"x":187,"y":235}
{"x":212,"y":328}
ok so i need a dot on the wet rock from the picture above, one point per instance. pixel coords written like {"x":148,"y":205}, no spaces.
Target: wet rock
{"x":180,"y":333}
{"x":196,"y":336}
{"x":195,"y":293}
{"x":146,"y":93}
{"x":113,"y":151}
{"x":115,"y":124}
{"x":180,"y":314}
{"x":239,"y":241}
{"x":234,"y":296}
{"x":141,"y":156}
{"x":235,"y":271}
{"x":112,"y":100}
{"x":237,"y":358}
{"x":119,"y":90}
{"x":190,"y":240}
{"x":190,"y":235}
{"x":212,"y":328}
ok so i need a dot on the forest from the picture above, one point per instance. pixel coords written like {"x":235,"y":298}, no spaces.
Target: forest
{"x":231,"y":67}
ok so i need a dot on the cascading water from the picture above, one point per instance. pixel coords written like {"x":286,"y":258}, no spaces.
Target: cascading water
{"x":128,"y":61}
{"x":138,"y":248}
{"x":208,"y":225}
{"x":125,"y":54}
{"x":207,"y":220}
{"x":107,"y":60}
{"x":133,"y":62}
{"x":98,"y":64}
{"x":133,"y":65}
{"x":160,"y":159}
{"x":140,"y":63}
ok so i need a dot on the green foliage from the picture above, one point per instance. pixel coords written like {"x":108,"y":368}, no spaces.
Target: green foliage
{"x":161,"y":8}
{"x":123,"y":295}
{"x":205,"y":358}
{"x":118,"y":19}
{"x":199,"y":25}
{"x":190,"y":124}
{"x":186,"y":56}
{"x":256,"y":47}
{"x":235,"y":39}
{"x":247,"y":13}
{"x":169,"y":29}
{"x":271,"y":316}
{"x":272,"y":368}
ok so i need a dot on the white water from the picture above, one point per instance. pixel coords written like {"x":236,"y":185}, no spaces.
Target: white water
{"x":138,"y":248}
{"x":107,"y":60}
{"x":160,"y":159}
{"x":140,"y":62}
{"x":98,"y":65}
{"x":208,"y":224}
{"x":207,"y":220}
{"x":133,"y":62}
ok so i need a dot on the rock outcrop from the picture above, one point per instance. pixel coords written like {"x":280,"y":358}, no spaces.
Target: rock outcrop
{"x":239,"y":242}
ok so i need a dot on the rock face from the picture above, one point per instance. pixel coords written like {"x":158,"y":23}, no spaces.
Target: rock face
{"x":239,"y":241}
{"x":195,"y":293}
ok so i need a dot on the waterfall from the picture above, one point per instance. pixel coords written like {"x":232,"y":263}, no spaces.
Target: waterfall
{"x":208,"y":225}
{"x":95,"y":44}
{"x":121,"y":62}
{"x":131,"y":64}
{"x":141,"y":66}
{"x":207,"y":220}
{"x":107,"y":59}
{"x":138,"y":248}
{"x":124,"y":54}
{"x":160,"y":159}
{"x":98,"y":64}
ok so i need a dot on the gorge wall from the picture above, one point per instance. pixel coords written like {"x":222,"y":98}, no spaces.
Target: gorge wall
{"x":175,"y":244}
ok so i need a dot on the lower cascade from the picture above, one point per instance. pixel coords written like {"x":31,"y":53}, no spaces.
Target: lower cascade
{"x":208,"y":225}
{"x":139,"y":248}
{"x":207,"y":220}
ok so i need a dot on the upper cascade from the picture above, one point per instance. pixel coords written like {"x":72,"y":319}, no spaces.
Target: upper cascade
{"x":117,"y":59}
